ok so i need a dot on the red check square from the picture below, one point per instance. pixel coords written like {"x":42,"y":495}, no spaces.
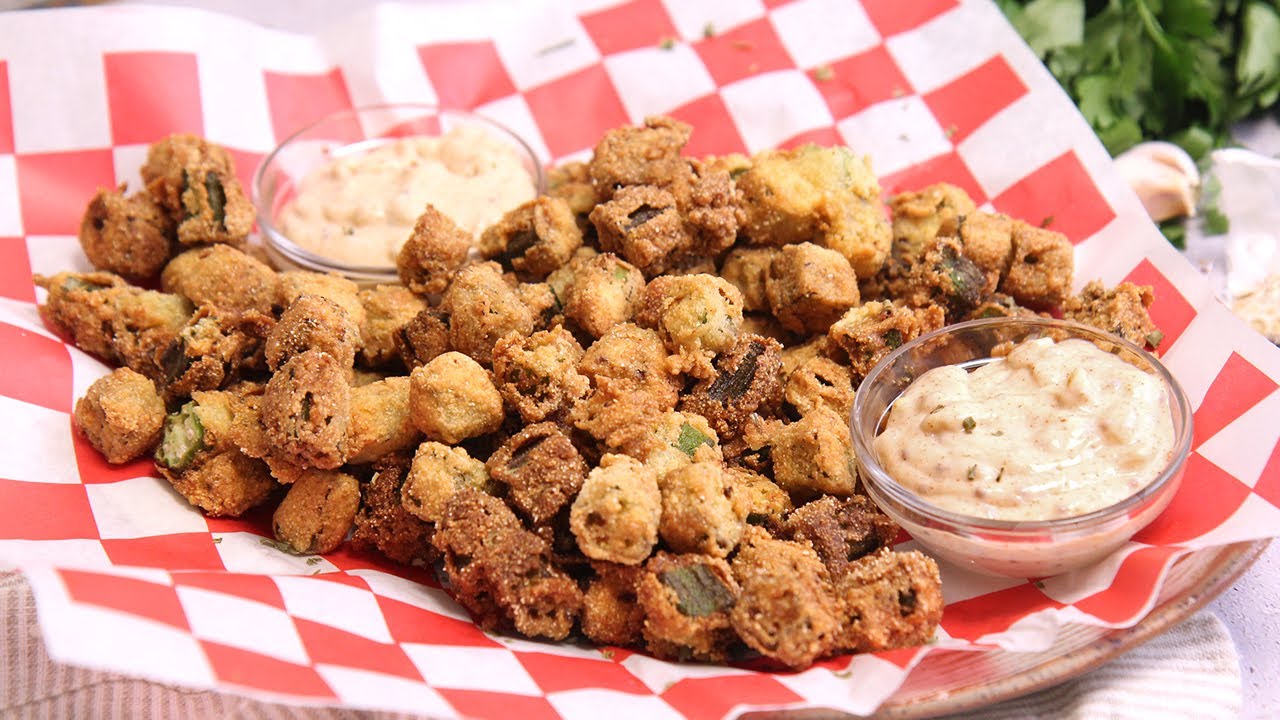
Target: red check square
{"x":187,"y":551}
{"x":45,"y":511}
{"x":15,"y":270}
{"x":1268,"y":485}
{"x":1127,"y":594}
{"x":54,"y":188}
{"x":894,"y":16}
{"x":967,"y":102}
{"x":744,"y":51}
{"x":6,"y":111}
{"x":1238,"y":387}
{"x":858,"y":82}
{"x":714,"y":697}
{"x":409,"y":623}
{"x":1061,"y":196}
{"x":994,"y":612}
{"x":258,"y":588}
{"x":948,"y":168}
{"x":589,"y":97}
{"x":1170,"y":312}
{"x":465,"y":74}
{"x":296,"y":101}
{"x":37,"y":369}
{"x":249,"y":669}
{"x":154,"y":601}
{"x":139,"y":114}
{"x":326,"y":644}
{"x":483,"y":705}
{"x":554,"y":673}
{"x":714,"y":132}
{"x":631,"y":25}
{"x":827,"y":136}
{"x":1208,"y":496}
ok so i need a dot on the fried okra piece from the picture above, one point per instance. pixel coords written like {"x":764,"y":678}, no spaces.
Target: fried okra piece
{"x":646,"y":155}
{"x":121,"y":415}
{"x":687,"y":600}
{"x":538,"y":375}
{"x":571,"y":182}
{"x":874,"y":329}
{"x":435,"y":250}
{"x":423,"y":338}
{"x":214,"y":350}
{"x":841,"y":530}
{"x":317,"y":512}
{"x":611,"y":613}
{"x":1121,"y":310}
{"x":195,"y":181}
{"x":501,"y":573}
{"x":787,"y":608}
{"x":544,"y":307}
{"x":198,"y":455}
{"x":223,"y":277}
{"x":108,"y":318}
{"x":747,"y":268}
{"x":128,"y":235}
{"x":747,"y":379}
{"x":482,"y":309}
{"x":1040,"y":271}
{"x":820,"y":382}
{"x":673,"y":440}
{"x":541,"y":469}
{"x":306,"y":410}
{"x":756,"y":499}
{"x":814,"y":455}
{"x":439,"y":472}
{"x":931,"y":212}
{"x":452,"y":399}
{"x":616,"y":514}
{"x":383,"y":522}
{"x":697,"y":514}
{"x":334,"y":288}
{"x":312,"y":322}
{"x":534,"y":238}
{"x":712,"y":211}
{"x":781,"y":205}
{"x":809,"y":287}
{"x":987,"y":239}
{"x":605,"y":291}
{"x":891,"y":600}
{"x":697,"y":316}
{"x":386,"y":309}
{"x":1001,"y":305}
{"x":631,"y":382}
{"x":643,"y":224}
{"x":946,"y":278}
{"x":380,"y":420}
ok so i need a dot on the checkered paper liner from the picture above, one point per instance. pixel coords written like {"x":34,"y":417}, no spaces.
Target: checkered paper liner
{"x":128,"y":577}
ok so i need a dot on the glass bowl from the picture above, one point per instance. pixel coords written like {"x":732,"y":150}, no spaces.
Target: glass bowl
{"x":348,"y":134}
{"x":1011,"y":548}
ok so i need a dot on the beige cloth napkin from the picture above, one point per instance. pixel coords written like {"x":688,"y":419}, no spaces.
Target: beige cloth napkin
{"x":1189,"y":672}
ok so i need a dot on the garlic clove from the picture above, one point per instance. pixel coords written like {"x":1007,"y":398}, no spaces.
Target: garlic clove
{"x":1164,"y":177}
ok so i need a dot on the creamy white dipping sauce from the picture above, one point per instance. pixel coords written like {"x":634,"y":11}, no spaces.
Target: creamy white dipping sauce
{"x":1053,"y":430}
{"x":359,"y":209}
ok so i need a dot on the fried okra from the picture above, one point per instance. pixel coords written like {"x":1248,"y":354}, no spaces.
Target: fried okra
{"x":312,"y":322}
{"x":756,"y":499}
{"x":386,"y":309}
{"x":631,"y":383}
{"x":452,"y":399}
{"x":673,"y":440}
{"x":945,"y":278}
{"x":687,"y":600}
{"x":616,"y":514}
{"x":697,"y":316}
{"x":891,"y":600}
{"x":317,"y":512}
{"x":747,"y":379}
{"x":128,"y":235}
{"x":335,"y":288}
{"x":198,"y":456}
{"x":1041,"y":267}
{"x":306,"y":410}
{"x":544,"y":307}
{"x":809,"y":287}
{"x":605,"y":291}
{"x":841,"y":530}
{"x":643,"y":224}
{"x":786,"y":608}
{"x":108,"y":318}
{"x":814,"y":455}
{"x":541,"y":469}
{"x":611,"y":614}
{"x":697,"y":514}
{"x":987,"y":239}
{"x":712,"y":211}
{"x":874,"y":329}
{"x":923,"y":215}
{"x":439,"y":472}
{"x":214,"y":350}
{"x":383,"y":522}
{"x":534,"y":238}
{"x":423,"y":338}
{"x":538,"y":375}
{"x":646,"y":155}
{"x":820,"y":382}
{"x":501,"y":573}
{"x":380,"y":423}
{"x":195,"y":181}
{"x":747,"y":268}
{"x":482,"y":309}
{"x":224,"y":277}
{"x":572,"y":183}
{"x":435,"y":250}
{"x":1121,"y":310}
{"x":121,"y":415}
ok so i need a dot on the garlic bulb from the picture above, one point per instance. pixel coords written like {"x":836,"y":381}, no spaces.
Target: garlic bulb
{"x":1164,"y":177}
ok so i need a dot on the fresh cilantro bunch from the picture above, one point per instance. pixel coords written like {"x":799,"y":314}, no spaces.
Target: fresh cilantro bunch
{"x":1177,"y":70}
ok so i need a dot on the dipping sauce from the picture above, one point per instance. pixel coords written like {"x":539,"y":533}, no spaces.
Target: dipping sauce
{"x":359,"y":209}
{"x":1053,"y":430}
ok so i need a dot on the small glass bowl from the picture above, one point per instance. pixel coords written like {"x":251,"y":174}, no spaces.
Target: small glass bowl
{"x":353,"y":132}
{"x":1010,"y":548}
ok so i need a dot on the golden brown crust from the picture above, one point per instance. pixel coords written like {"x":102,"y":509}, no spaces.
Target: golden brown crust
{"x":121,"y":415}
{"x":435,"y":250}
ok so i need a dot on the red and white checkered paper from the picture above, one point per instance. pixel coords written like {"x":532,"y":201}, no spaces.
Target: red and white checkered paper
{"x":130,"y":578}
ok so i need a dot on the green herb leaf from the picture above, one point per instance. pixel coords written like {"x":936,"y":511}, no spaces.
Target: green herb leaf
{"x":698,"y":591}
{"x":690,"y":438}
{"x":1049,"y":24}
